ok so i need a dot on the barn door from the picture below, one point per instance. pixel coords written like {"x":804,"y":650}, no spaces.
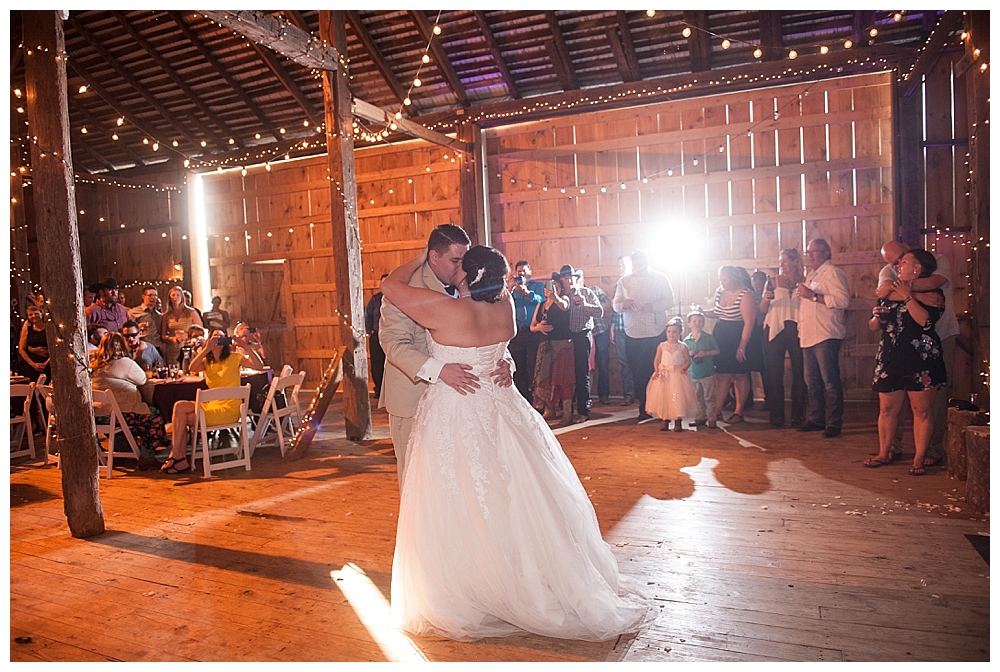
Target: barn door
{"x":265,"y":292}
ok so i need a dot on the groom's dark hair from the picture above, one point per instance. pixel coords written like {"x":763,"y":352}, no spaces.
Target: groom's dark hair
{"x":445,"y":235}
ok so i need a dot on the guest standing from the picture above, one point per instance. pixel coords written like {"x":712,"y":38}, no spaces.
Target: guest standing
{"x":373,"y":313}
{"x":643,"y":297}
{"x":583,"y":309}
{"x":106,"y":309}
{"x":618,"y":338}
{"x":910,"y":360}
{"x":703,"y":349}
{"x":555,"y":381}
{"x":33,"y":345}
{"x":523,"y":348}
{"x":601,"y":334}
{"x":735,"y":313}
{"x":824,"y":298}
{"x":781,"y":330}
{"x":176,"y":321}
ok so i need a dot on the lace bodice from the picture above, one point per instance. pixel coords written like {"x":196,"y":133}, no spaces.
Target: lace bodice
{"x":482,"y":359}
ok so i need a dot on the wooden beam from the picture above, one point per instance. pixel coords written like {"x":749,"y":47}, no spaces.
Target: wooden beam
{"x":348,"y":271}
{"x":296,"y":17}
{"x":384,"y":118}
{"x":176,"y":78}
{"x":771,"y":38}
{"x":278,"y":70}
{"x":93,"y":125}
{"x":282,"y":36}
{"x":60,"y":270}
{"x":441,"y":59}
{"x":950,"y":21}
{"x":699,"y":44}
{"x":358,"y":26}
{"x":675,"y":87}
{"x":496,"y":53}
{"x":223,"y":73}
{"x":628,"y":47}
{"x":136,"y":85}
{"x":559,"y":53}
{"x":627,"y":70}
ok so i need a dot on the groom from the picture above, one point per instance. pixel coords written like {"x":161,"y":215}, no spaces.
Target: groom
{"x":409,"y":369}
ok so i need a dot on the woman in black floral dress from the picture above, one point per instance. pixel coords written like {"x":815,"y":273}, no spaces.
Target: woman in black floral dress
{"x":909,"y":360}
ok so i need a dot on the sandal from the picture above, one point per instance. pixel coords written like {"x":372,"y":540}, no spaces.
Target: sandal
{"x":917,"y":471}
{"x":933,"y":462}
{"x":170,"y":466}
{"x":875,"y":463}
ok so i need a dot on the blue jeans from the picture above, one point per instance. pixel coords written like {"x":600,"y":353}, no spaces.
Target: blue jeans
{"x":826,"y":392}
{"x":602,"y":360}
{"x":621,"y":352}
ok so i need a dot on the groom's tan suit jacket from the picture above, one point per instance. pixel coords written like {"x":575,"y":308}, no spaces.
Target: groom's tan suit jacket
{"x":405,"y":345}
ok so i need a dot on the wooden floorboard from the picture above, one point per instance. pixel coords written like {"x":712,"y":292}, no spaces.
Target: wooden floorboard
{"x":754,"y":544}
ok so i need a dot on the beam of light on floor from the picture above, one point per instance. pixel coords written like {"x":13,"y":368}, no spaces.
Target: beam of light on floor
{"x":373,"y":611}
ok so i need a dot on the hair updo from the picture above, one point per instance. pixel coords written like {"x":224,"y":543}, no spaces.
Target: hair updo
{"x":486,"y":273}
{"x":928,"y":264}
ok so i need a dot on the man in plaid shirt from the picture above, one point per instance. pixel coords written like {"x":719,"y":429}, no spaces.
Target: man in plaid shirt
{"x":584,"y":307}
{"x":602,"y":344}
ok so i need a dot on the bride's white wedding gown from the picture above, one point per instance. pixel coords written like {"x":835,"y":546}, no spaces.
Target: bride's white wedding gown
{"x":496,"y":534}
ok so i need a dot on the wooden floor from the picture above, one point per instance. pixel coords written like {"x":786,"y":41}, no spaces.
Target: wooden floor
{"x":757,"y":545}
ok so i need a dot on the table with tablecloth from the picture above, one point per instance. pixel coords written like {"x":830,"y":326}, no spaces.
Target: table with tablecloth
{"x":165,"y":393}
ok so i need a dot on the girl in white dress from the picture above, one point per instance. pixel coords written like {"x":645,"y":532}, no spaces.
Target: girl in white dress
{"x":670,"y":392}
{"x":496,"y":534}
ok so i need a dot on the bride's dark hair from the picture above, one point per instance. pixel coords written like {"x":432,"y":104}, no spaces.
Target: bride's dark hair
{"x":486,"y":273}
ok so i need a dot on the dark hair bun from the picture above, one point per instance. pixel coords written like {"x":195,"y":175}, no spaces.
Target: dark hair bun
{"x":486,"y":273}
{"x":928,"y":264}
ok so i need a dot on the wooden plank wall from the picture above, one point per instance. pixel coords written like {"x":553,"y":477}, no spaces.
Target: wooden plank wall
{"x":279,"y":218}
{"x":134,"y":231}
{"x":728,"y":179}
{"x":946,"y":206}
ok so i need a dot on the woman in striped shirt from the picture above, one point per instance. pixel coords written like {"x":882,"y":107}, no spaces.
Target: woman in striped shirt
{"x":735,"y":311}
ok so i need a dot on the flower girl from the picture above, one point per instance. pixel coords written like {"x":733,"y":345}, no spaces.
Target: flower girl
{"x":670,"y":393}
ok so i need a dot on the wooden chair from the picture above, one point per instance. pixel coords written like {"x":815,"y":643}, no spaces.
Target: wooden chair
{"x":20,"y":425}
{"x":44,"y":393}
{"x":285,"y":420}
{"x":201,"y":429}
{"x":116,"y":424}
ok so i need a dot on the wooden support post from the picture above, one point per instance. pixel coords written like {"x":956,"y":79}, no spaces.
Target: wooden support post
{"x":909,"y":167}
{"x":954,"y":439}
{"x":60,"y":272}
{"x":978,"y":87}
{"x":346,"y":238}
{"x":977,"y":487}
{"x":471,"y":185}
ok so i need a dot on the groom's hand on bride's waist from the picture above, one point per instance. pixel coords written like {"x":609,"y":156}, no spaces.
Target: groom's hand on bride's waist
{"x":460,"y":378}
{"x":501,"y":375}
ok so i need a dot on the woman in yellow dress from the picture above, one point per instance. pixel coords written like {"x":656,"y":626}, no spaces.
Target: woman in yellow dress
{"x":221,"y":363}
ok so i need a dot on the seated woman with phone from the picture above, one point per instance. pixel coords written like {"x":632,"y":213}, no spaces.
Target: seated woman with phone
{"x":221,"y":362}
{"x":253,"y":338}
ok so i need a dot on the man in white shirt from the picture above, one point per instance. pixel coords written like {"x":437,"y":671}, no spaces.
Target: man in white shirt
{"x":643,"y":298}
{"x":408,"y":367}
{"x":946,"y":328}
{"x":825,"y":296}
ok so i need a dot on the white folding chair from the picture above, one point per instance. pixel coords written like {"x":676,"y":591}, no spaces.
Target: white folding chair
{"x":201,"y":430}
{"x":44,"y":393}
{"x":20,"y":425}
{"x":115,"y":425}
{"x":285,"y":420}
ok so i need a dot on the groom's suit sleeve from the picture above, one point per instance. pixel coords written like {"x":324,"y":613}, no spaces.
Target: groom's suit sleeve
{"x":396,"y":334}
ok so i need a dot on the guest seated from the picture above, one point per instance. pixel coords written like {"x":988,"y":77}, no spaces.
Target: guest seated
{"x":253,"y":338}
{"x":95,"y":332}
{"x":114,"y":370}
{"x":221,"y":362}
{"x":144,"y":354}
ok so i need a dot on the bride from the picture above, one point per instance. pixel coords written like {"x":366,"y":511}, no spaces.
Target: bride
{"x":496,"y":534}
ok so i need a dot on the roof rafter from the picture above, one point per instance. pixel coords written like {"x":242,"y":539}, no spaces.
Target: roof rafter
{"x":559,"y":53}
{"x":491,"y":43}
{"x":132,"y":81}
{"x":358,"y":26}
{"x":441,"y":59}
{"x":699,"y":44}
{"x":177,"y":80}
{"x":221,"y":70}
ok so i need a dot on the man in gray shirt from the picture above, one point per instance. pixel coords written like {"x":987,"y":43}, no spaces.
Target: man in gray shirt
{"x":643,"y":297}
